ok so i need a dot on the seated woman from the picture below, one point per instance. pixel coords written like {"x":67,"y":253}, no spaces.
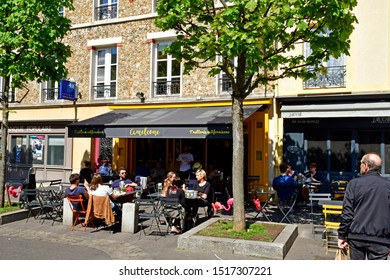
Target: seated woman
{"x":168,"y":182}
{"x":175,"y":214}
{"x":204,"y":193}
{"x":98,"y":189}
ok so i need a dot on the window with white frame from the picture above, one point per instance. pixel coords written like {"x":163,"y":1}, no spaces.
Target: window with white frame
{"x":335,"y":73}
{"x":62,"y":11}
{"x":224,"y":83}
{"x":167,"y":72}
{"x":154,"y":5}
{"x":50,"y":90}
{"x":106,"y":9}
{"x":11,"y":92}
{"x":105,"y":73}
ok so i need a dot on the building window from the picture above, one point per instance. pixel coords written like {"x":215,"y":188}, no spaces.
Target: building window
{"x":50,"y":90}
{"x":154,"y":6}
{"x":167,"y":69}
{"x":105,"y":73}
{"x":55,"y":150}
{"x":11,"y":92}
{"x":38,"y":149}
{"x":334,"y":74}
{"x":224,"y":83}
{"x":106,"y":9}
{"x":62,"y":11}
{"x":19,"y":150}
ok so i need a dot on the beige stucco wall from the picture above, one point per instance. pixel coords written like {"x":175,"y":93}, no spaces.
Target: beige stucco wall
{"x":368,"y":63}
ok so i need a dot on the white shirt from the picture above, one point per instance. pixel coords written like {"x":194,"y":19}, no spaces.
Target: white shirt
{"x":103,"y":190}
{"x":185,"y":161}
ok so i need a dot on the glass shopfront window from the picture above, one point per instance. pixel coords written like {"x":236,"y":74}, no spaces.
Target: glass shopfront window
{"x":37,"y":149}
{"x":340,"y":160}
{"x":369,"y":141}
{"x":55,"y":150}
{"x":19,"y":150}
{"x":316,"y":148}
{"x":37,"y":144}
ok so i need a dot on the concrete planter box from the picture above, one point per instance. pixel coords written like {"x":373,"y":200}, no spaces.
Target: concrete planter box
{"x":268,"y":250}
{"x":16,"y":215}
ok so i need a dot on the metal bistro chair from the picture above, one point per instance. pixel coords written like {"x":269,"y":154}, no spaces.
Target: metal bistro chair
{"x":30,"y":201}
{"x":79,"y":211}
{"x":287,"y":208}
{"x":170,"y":205}
{"x":148,"y":210}
{"x":332,"y":215}
{"x":51,"y":207}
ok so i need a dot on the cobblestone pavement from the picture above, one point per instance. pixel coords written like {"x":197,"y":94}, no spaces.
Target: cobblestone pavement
{"x":34,"y":240}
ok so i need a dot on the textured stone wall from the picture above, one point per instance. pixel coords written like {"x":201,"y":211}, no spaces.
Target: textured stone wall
{"x":134,"y":55}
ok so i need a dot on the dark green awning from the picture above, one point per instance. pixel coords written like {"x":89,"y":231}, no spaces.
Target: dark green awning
{"x":199,"y":122}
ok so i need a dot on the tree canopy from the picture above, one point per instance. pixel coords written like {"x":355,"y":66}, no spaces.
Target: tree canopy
{"x":261,"y":34}
{"x":31,"y":48}
{"x":255,"y":42}
{"x":31,"y":33}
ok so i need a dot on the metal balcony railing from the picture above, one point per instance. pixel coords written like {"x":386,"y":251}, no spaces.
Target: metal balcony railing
{"x":104,"y":91}
{"x":106,"y":12}
{"x":166,"y":88}
{"x":50,"y":94}
{"x":334,"y":77}
{"x":226,"y":85}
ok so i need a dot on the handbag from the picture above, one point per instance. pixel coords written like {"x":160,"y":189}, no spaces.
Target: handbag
{"x":342,"y":254}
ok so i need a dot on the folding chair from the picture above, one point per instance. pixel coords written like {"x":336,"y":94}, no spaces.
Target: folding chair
{"x":30,"y":202}
{"x":287,"y":208}
{"x":149,"y":210}
{"x":332,"y":215}
{"x":51,"y":207}
{"x":172,"y":205}
{"x":77,"y":206}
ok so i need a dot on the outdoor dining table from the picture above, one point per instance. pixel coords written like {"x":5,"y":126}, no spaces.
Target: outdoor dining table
{"x":330,"y":202}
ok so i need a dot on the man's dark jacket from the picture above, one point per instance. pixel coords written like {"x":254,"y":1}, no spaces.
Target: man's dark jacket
{"x":366,"y":209}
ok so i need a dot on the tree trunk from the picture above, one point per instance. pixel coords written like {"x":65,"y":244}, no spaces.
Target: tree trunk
{"x":238,"y":165}
{"x":4,"y":138}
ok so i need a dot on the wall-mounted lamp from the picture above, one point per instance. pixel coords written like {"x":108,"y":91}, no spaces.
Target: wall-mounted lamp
{"x":141,"y":96}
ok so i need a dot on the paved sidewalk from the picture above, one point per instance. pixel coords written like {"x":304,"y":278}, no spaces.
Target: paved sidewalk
{"x":35,"y":241}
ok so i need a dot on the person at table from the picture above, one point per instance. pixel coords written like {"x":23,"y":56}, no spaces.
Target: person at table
{"x":312,"y":175}
{"x":97,"y":188}
{"x":104,"y":169}
{"x":284,"y":185}
{"x":168,"y":182}
{"x":175,"y":215}
{"x":122,"y":180}
{"x":292,"y":173}
{"x":157,"y":173}
{"x":75,"y":189}
{"x":86,"y":172}
{"x":365,"y":218}
{"x":185,"y":159}
{"x":204,"y":190}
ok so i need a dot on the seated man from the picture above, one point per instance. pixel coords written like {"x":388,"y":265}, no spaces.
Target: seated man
{"x":122,"y":181}
{"x":284,"y":184}
{"x":75,"y":190}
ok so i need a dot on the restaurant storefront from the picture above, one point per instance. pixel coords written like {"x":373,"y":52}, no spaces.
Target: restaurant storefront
{"x":154,"y":134}
{"x":336,"y":135}
{"x":42,"y":145}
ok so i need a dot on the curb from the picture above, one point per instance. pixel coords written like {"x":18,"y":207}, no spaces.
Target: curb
{"x":269,"y":250}
{"x":14,"y":216}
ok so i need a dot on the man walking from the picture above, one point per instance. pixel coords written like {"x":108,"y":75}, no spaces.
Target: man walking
{"x":365,"y":220}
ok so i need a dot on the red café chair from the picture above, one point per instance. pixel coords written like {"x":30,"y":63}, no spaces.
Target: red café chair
{"x":79,"y":211}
